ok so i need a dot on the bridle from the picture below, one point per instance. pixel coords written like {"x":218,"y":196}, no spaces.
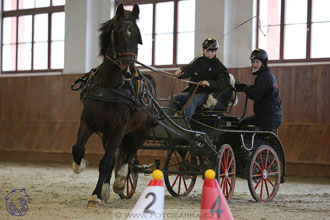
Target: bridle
{"x":119,"y":57}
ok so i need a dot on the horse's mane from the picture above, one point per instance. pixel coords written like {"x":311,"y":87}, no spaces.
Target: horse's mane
{"x":107,"y":27}
{"x":105,"y":30}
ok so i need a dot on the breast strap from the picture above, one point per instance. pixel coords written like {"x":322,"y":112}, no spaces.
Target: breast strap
{"x":111,"y":95}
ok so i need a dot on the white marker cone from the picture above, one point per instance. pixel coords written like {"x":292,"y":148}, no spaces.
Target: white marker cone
{"x":151,"y":202}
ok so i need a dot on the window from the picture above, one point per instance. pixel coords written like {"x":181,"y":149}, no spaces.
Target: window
{"x":167,"y":29}
{"x":32,"y":36}
{"x":294,"y":30}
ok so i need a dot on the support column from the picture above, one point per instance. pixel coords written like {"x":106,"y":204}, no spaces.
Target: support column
{"x":209,"y":23}
{"x":239,"y":43}
{"x":75,"y":36}
{"x":98,"y":12}
{"x":82,"y":20}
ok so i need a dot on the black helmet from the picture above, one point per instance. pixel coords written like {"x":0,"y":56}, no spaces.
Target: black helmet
{"x":259,"y":54}
{"x":210,"y":44}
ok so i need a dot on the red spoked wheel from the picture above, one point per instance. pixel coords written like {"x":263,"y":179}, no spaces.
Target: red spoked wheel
{"x":226,"y":171}
{"x":132,"y":177}
{"x":264,"y":174}
{"x":178,"y":176}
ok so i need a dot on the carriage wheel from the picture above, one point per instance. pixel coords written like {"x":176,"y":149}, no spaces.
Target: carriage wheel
{"x":264,"y":174}
{"x":177,"y":181}
{"x":132,"y":177}
{"x":226,"y":171}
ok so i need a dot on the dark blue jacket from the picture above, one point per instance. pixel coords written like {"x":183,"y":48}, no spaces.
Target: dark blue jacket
{"x":211,"y":70}
{"x":267,"y":105}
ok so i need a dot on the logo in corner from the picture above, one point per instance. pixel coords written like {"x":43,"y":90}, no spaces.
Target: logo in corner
{"x":17,"y":202}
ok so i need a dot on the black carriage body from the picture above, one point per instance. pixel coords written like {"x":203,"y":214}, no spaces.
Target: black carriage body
{"x":201,"y":144}
{"x":221,"y":130}
{"x":243,"y":155}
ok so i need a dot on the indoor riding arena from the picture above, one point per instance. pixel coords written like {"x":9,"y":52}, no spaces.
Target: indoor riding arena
{"x":71,"y":75}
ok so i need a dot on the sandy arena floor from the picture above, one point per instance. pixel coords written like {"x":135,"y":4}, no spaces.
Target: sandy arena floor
{"x":55,"y":192}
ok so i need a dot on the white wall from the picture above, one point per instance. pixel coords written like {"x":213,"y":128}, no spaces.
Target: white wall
{"x":97,"y":12}
{"x":214,"y":18}
{"x":218,"y":19}
{"x":239,"y":38}
{"x":75,"y":36}
{"x":82,"y":20}
{"x":209,"y":23}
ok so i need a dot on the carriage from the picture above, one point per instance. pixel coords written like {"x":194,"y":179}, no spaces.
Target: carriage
{"x":213,"y":139}
{"x":120,"y":104}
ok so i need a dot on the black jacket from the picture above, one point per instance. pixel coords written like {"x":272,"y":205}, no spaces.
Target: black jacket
{"x":267,"y":105}
{"x":211,"y":70}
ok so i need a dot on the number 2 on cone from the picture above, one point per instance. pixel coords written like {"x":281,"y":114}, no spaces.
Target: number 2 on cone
{"x":147,"y":209}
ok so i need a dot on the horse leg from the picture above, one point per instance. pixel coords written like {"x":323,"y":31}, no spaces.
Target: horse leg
{"x":105,"y":193}
{"x":78,"y":150}
{"x":121,"y":178}
{"x":129,"y":150}
{"x":105,"y":166}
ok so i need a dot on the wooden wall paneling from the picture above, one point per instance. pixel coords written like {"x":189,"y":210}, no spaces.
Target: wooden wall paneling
{"x":71,"y":104}
{"x":291,"y":136}
{"x":8,"y":97}
{"x":327,"y":146}
{"x":44,"y":137}
{"x":306,"y":143}
{"x":53,"y":108}
{"x":301,"y":95}
{"x":315,"y":148}
{"x":41,"y":114}
{"x":39,"y":98}
{"x":323,"y":94}
{"x":317,"y":81}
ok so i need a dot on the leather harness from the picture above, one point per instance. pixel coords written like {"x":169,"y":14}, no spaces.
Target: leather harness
{"x":133,"y":96}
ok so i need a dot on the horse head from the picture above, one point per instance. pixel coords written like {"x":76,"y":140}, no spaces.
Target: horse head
{"x":120,"y":37}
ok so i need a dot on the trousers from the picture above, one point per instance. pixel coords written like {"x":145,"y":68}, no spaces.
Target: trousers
{"x":196,"y":101}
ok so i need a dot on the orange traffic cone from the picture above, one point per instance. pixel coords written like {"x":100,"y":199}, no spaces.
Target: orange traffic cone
{"x":151,"y":202}
{"x":214,"y":204}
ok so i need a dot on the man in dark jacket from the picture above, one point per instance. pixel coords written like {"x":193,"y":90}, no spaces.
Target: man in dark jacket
{"x":267,"y":105}
{"x":209,"y":71}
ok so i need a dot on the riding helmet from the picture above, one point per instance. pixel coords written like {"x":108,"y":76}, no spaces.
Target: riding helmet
{"x":259,"y":54}
{"x":210,"y":44}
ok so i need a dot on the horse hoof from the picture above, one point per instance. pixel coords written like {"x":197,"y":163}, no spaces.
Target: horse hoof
{"x":93,"y":202}
{"x":105,"y":194}
{"x":119,"y":184}
{"x":78,"y":169}
{"x":118,"y":190}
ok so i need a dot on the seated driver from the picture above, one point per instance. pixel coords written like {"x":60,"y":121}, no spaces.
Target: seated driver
{"x":209,"y":71}
{"x":267,"y":105}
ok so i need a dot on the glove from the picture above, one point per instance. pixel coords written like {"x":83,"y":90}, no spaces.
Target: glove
{"x":241,"y":87}
{"x":178,"y":73}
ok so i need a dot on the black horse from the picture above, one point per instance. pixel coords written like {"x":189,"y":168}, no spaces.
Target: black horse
{"x":113,"y":101}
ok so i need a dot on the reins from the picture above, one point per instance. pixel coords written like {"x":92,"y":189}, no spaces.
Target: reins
{"x":172,"y":76}
{"x":190,"y":98}
{"x":167,"y":74}
{"x":117,"y":63}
